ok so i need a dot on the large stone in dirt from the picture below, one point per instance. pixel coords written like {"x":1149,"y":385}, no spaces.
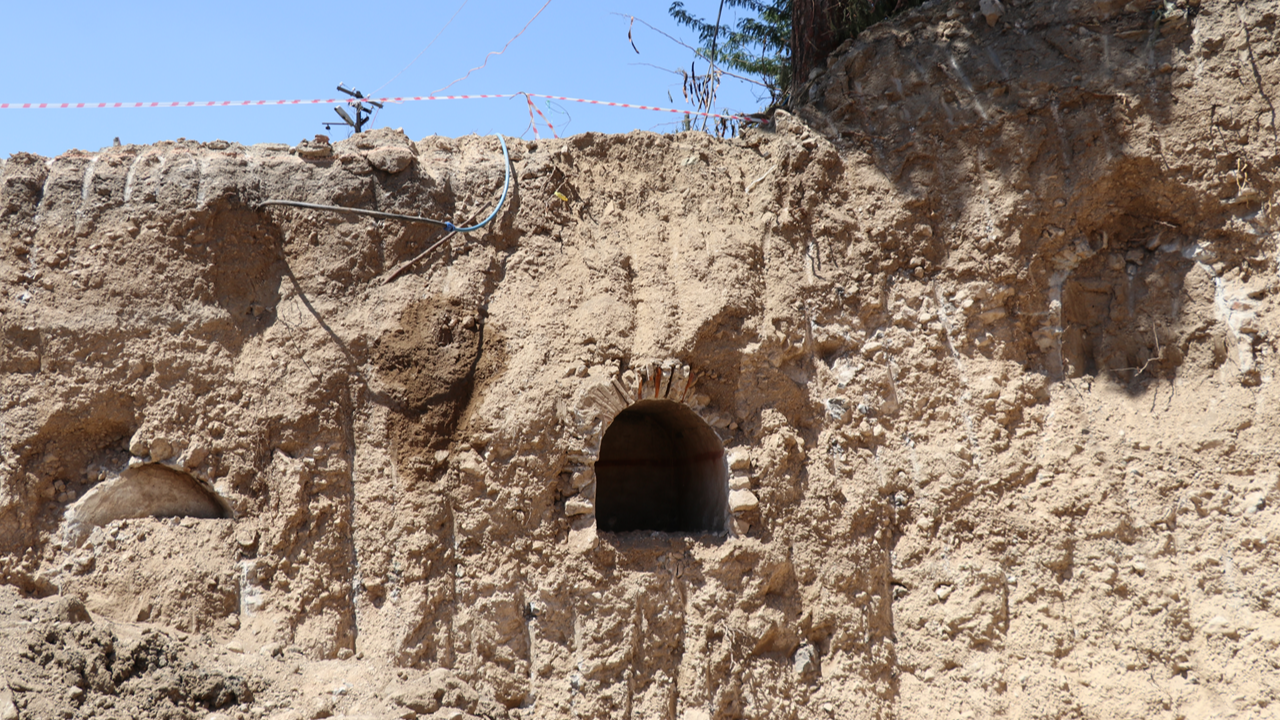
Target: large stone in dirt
{"x":70,"y":608}
{"x":144,"y":491}
{"x":389,"y":159}
{"x":7,"y":709}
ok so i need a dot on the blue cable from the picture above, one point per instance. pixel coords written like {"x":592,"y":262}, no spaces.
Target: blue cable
{"x":506,"y":185}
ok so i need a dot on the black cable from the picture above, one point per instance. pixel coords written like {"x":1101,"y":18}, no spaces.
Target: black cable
{"x":358,"y":211}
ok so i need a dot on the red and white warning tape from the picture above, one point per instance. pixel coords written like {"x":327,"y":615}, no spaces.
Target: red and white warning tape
{"x":636,"y":107}
{"x":532,"y":109}
{"x":223,"y":103}
{"x":335,"y":101}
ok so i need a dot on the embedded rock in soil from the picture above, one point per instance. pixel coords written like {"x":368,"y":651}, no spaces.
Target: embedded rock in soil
{"x":972,"y":357}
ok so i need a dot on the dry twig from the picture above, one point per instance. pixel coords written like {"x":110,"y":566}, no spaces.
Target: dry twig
{"x":695,"y":51}
{"x":1158,"y":358}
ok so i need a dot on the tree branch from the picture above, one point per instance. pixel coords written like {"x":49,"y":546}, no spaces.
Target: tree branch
{"x":695,"y":51}
{"x":715,"y":38}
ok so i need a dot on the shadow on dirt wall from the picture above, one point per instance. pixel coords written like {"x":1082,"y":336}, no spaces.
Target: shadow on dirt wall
{"x":1034,"y":102}
{"x":1029,"y":133}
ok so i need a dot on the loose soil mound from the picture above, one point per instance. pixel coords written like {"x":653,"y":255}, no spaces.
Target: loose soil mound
{"x":980,"y":336}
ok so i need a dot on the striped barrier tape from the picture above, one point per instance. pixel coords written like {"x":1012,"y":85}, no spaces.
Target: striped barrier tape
{"x":350,"y":101}
{"x":532,"y":109}
{"x":655,"y":108}
{"x":226,"y":103}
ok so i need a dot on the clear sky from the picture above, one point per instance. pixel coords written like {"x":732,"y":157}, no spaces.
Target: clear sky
{"x":79,"y":51}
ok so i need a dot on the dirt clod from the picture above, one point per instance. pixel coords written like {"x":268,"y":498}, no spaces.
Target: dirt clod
{"x":975,"y":347}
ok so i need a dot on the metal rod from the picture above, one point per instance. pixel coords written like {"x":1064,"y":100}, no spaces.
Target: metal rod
{"x":358,"y":211}
{"x":397,"y":272}
{"x":404,"y":266}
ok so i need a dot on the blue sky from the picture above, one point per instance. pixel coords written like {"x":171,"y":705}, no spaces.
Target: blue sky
{"x":79,"y":51}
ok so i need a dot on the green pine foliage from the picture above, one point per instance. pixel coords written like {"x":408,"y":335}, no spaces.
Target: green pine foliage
{"x":759,"y":45}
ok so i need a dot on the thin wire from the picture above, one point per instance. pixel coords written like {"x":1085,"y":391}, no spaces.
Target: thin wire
{"x":695,"y":51}
{"x":711,"y":98}
{"x":448,"y":226}
{"x":560,"y":109}
{"x":499,"y":52}
{"x":425,"y":49}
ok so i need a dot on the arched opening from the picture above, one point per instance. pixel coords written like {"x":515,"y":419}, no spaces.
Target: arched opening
{"x":661,"y":468}
{"x":150,"y":490}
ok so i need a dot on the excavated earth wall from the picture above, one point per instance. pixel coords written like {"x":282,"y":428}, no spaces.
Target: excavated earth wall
{"x":974,"y":356}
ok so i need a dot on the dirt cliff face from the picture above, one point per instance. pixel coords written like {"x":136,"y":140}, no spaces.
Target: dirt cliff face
{"x":965,"y":372}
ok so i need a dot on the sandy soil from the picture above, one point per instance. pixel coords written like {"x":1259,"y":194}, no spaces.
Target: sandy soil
{"x":972,"y":356}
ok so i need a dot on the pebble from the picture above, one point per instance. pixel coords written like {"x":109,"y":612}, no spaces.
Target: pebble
{"x":806,"y":661}
{"x":471,"y":463}
{"x":8,"y":711}
{"x":138,"y":447}
{"x":196,"y":455}
{"x":739,"y":459}
{"x":578,"y":506}
{"x":1219,"y":625}
{"x":319,"y":707}
{"x":837,"y":409}
{"x":743,"y":501}
{"x":314,"y":151}
{"x":161,"y":450}
{"x":1254,"y":502}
